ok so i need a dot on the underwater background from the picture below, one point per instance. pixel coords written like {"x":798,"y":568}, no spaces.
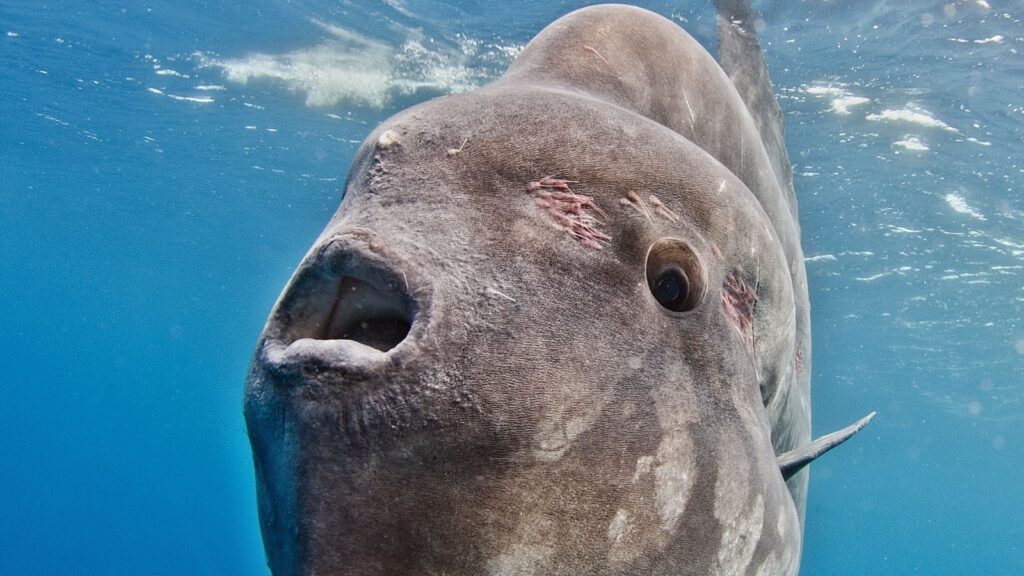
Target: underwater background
{"x":165,"y":165}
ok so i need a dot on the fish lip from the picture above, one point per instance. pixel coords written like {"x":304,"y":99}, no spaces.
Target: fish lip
{"x":314,"y":359}
{"x":295,"y":349}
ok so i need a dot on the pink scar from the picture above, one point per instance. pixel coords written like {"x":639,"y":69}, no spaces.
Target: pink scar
{"x":570,"y":211}
{"x":738,"y":300}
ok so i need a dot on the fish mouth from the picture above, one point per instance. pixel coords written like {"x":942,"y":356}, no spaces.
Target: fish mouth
{"x":348,"y":311}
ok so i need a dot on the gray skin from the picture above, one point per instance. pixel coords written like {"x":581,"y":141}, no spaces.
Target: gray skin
{"x":545,"y":413}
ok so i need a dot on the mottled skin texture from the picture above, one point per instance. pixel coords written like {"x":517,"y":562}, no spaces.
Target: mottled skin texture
{"x":545,"y":414}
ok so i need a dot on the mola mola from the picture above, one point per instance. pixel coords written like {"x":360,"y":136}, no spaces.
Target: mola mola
{"x":558,"y":326}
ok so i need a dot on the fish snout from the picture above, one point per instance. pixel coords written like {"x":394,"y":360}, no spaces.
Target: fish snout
{"x":352,"y":309}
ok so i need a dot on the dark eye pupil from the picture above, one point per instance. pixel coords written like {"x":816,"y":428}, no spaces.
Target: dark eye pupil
{"x":671,"y":288}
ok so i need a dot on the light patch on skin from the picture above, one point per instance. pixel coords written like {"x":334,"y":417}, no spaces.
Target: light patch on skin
{"x":521,"y":560}
{"x":741,"y":519}
{"x":557,"y":435}
{"x":622,"y":539}
{"x":525,"y":553}
{"x":740,"y":535}
{"x":770,"y":566}
{"x":643,"y":467}
{"x":388,"y":140}
{"x":786,"y":564}
{"x":619,"y":528}
{"x":675,"y":465}
{"x":674,"y":478}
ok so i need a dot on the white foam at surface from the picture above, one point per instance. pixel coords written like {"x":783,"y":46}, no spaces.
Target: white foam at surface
{"x":53,"y":119}
{"x":210,"y":87}
{"x":997,"y":39}
{"x":350,"y":67}
{"x":974,"y":140}
{"x":842,"y":105}
{"x":12,"y":34}
{"x":1008,"y":243}
{"x":509,"y":51}
{"x":195,"y":99}
{"x":170,"y":72}
{"x":399,"y":7}
{"x":842,"y":99}
{"x":825,"y":91}
{"x":911,"y":143}
{"x":820,"y":258}
{"x":873,"y":277}
{"x":959,"y":205}
{"x":911,"y":114}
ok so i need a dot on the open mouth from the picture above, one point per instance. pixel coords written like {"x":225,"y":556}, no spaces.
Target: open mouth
{"x":347,"y":310}
{"x":367,"y":314}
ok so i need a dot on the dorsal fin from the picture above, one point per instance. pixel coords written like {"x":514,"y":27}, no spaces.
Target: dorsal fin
{"x":795,"y":460}
{"x":740,"y":55}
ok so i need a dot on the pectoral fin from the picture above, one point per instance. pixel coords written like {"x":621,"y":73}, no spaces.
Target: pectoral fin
{"x":793,"y":461}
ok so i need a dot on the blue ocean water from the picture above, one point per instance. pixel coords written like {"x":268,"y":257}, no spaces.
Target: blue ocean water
{"x":164,"y":166}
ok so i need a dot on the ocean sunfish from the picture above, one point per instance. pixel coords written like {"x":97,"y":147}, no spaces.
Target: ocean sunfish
{"x":558,"y":326}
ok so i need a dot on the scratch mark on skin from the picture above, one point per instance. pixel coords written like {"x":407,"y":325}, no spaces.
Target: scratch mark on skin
{"x":717,"y":252}
{"x":570,"y":210}
{"x":757,"y":290}
{"x":452,"y":152}
{"x":661,"y":210}
{"x":606,"y":63}
{"x":634,"y":200}
{"x":496,"y":292}
{"x":738,"y":300}
{"x":798,"y":360}
{"x":693,"y":117}
{"x":741,"y":152}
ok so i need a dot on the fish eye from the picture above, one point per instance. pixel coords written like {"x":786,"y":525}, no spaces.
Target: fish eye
{"x":671,"y":287}
{"x":674,"y":275}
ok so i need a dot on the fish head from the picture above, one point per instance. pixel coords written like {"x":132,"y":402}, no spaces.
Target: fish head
{"x":538,"y":337}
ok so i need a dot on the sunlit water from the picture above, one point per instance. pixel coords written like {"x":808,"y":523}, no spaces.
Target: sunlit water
{"x":163,"y":167}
